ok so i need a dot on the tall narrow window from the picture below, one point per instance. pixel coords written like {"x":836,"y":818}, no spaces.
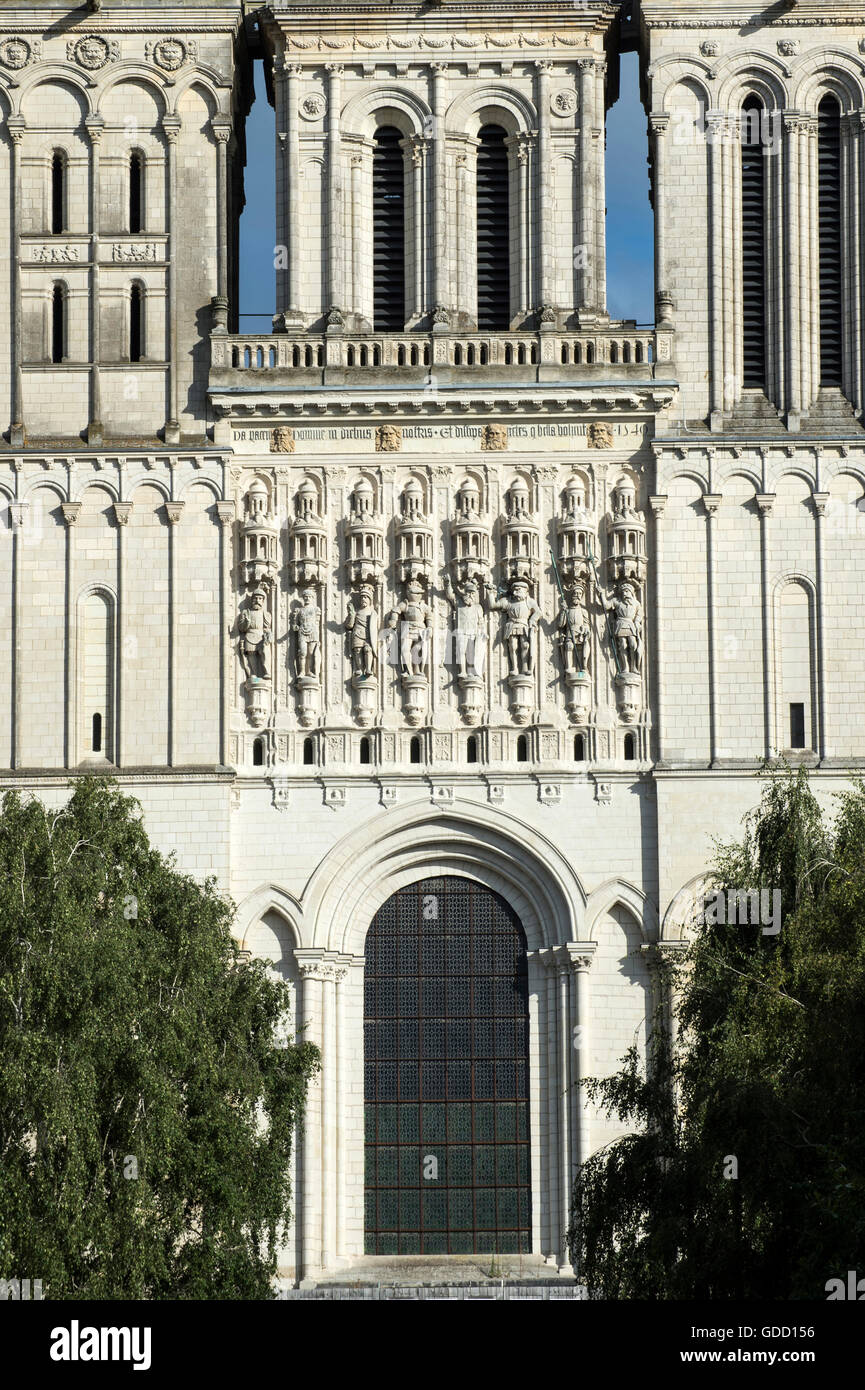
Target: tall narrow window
{"x":58,"y":193}
{"x":308,"y":752}
{"x":136,"y":192}
{"x":364,"y":750}
{"x":258,"y":753}
{"x":58,"y":324}
{"x":493,"y":225}
{"x":96,"y":675}
{"x":522,"y":749}
{"x":753,"y":246}
{"x":831,"y":296}
{"x":472,"y":749}
{"x":629,"y":748}
{"x":414,"y":751}
{"x":797,"y":726}
{"x":136,"y":324}
{"x":388,"y":227}
{"x":579,"y":748}
{"x":96,"y":733}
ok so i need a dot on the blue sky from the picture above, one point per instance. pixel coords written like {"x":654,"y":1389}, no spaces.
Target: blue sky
{"x":629,"y":217}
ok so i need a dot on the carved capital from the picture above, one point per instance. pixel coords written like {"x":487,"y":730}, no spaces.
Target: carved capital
{"x":71,"y":512}
{"x":820,"y":500}
{"x":174,"y":511}
{"x":220,"y":127}
{"x":765,"y":501}
{"x":122,"y":513}
{"x":225,"y":512}
{"x":171,"y":127}
{"x":658,"y":504}
{"x":711,"y":502}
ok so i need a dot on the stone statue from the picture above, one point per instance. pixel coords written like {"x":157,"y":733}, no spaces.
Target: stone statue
{"x":627,"y":625}
{"x":521,"y":619}
{"x":470,"y":634}
{"x":573,"y":634}
{"x":414,"y":617}
{"x":361,"y":623}
{"x":253,"y":625}
{"x":306,"y":623}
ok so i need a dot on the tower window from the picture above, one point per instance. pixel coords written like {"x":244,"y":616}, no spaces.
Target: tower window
{"x":364,"y":750}
{"x":388,"y":227}
{"x":96,"y":734}
{"x":831,"y":290}
{"x":629,"y":748}
{"x":522,"y":749}
{"x":414,"y":751}
{"x":308,"y":752}
{"x":58,"y":324}
{"x":472,"y":749}
{"x":258,"y":753}
{"x":797,"y":726}
{"x":493,"y":230}
{"x":136,"y":324}
{"x":58,"y":193}
{"x":579,"y":748}
{"x":136,"y":192}
{"x":753,"y":246}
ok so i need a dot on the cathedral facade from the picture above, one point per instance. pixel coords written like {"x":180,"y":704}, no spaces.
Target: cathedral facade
{"x":448,"y":623}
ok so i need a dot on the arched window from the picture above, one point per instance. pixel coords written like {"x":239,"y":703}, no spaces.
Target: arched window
{"x":308,"y":752}
{"x":522,"y":749}
{"x":58,"y":192}
{"x":493,"y":229}
{"x":136,"y":191}
{"x":58,"y":323}
{"x":446,"y":1073}
{"x":258,"y":753}
{"x":629,"y":748}
{"x":96,"y":675}
{"x":364,"y":750}
{"x":831,"y":293}
{"x":136,"y":324}
{"x":753,"y":245}
{"x":388,"y":232}
{"x":414,"y":751}
{"x":472,"y":749}
{"x":579,"y":748}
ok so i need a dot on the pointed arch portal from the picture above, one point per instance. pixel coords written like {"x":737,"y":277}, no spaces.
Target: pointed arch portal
{"x":446,"y":1060}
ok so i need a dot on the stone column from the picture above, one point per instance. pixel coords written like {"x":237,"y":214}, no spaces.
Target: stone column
{"x":357,"y":257}
{"x":311,"y":967}
{"x":95,"y":128}
{"x":711,"y":503}
{"x":855,"y":137}
{"x":521,"y":150}
{"x":171,"y":126}
{"x":580,"y":956}
{"x":122,"y":513}
{"x":820,"y":500}
{"x":71,"y":512}
{"x":335,"y":241}
{"x":16,"y":126}
{"x":588,"y":295}
{"x":174,"y":511}
{"x":765,"y":502}
{"x":858,"y":306}
{"x":441,"y":269}
{"x":221,"y":129}
{"x":291,"y":209}
{"x":793,"y":403}
{"x":715,"y":125}
{"x":416,"y":146}
{"x":18,"y":515}
{"x":600,"y":136}
{"x":225,"y":512}
{"x":546,"y":296}
{"x":659,"y":123}
{"x":658,"y":505}
{"x":551,"y":1160}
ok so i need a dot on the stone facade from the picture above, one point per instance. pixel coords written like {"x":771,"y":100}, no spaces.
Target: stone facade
{"x":348,"y":609}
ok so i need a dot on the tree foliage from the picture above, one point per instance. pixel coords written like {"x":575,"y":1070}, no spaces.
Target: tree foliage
{"x":147,"y":1102}
{"x":767,"y":1070}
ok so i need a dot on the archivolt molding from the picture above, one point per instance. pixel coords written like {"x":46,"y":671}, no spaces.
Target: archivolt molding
{"x":360,"y":115}
{"x":617,"y":892}
{"x":54,"y":73}
{"x":268,"y":898}
{"x":825,"y":70}
{"x":517,"y":113}
{"x":488,"y":845}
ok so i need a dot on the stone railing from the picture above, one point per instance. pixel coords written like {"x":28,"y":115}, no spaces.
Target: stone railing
{"x":619,"y":351}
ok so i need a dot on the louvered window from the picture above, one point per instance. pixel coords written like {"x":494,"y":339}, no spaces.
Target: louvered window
{"x":388,"y":218}
{"x":830,"y":243}
{"x":58,"y":324}
{"x":58,"y":193}
{"x":136,"y":324}
{"x":136,"y":192}
{"x":753,"y":246}
{"x":494,"y":296}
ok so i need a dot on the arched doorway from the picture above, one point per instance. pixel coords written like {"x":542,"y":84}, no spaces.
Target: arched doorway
{"x":446,"y":1073}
